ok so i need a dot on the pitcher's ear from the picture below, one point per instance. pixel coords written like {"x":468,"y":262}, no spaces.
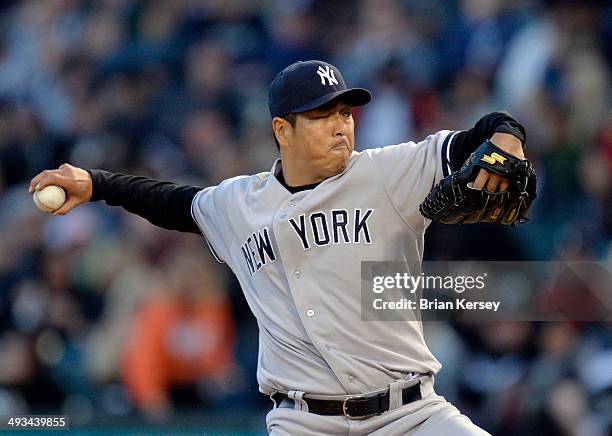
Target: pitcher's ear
{"x":281,"y":128}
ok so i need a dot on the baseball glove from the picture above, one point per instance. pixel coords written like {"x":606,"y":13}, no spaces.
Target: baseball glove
{"x":455,"y":201}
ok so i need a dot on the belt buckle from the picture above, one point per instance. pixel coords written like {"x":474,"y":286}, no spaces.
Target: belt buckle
{"x":345,"y":408}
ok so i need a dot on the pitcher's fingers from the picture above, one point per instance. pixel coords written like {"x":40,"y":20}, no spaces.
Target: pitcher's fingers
{"x":481,"y":179}
{"x":36,"y":180}
{"x":53,"y":178}
{"x":504,"y":185}
{"x":493,"y":182}
{"x":70,"y":204}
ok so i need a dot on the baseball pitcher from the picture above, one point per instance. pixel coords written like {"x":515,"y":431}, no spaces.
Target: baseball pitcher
{"x":295,"y":237}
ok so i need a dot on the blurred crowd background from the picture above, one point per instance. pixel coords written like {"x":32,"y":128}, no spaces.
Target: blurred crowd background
{"x":117,"y":323}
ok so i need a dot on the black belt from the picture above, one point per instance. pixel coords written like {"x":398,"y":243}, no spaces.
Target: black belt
{"x":355,"y":406}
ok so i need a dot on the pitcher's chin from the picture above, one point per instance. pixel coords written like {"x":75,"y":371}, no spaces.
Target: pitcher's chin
{"x":340,"y":165}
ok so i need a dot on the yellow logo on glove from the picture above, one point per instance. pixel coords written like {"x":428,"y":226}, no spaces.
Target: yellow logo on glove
{"x":495,"y":157}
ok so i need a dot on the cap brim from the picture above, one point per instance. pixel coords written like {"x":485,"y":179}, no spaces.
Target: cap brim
{"x":352,"y":96}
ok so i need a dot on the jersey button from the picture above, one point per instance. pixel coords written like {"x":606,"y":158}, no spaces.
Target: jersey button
{"x":310,"y":312}
{"x":297,"y":273}
{"x":291,"y":203}
{"x":351,"y":379}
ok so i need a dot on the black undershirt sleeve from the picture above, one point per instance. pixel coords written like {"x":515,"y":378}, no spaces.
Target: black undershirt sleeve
{"x":164,"y":204}
{"x":465,"y":142}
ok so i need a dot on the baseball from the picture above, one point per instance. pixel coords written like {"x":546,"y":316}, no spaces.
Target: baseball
{"x":50,"y":198}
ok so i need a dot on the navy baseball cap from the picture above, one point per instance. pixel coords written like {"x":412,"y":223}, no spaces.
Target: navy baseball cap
{"x":307,"y":85}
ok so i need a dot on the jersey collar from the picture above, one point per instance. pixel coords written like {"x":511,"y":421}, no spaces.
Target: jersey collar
{"x":277,"y":168}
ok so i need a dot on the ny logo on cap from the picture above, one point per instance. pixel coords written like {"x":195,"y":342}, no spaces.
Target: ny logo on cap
{"x":327,"y":73}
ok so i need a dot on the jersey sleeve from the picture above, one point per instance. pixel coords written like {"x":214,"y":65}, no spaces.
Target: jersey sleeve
{"x":410,"y":170}
{"x":209,"y":211}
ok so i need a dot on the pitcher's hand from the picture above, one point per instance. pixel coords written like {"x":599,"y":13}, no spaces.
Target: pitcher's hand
{"x":76,"y":182}
{"x":491,"y":181}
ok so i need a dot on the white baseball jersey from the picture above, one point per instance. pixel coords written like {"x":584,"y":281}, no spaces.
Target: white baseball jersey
{"x":297,"y":257}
